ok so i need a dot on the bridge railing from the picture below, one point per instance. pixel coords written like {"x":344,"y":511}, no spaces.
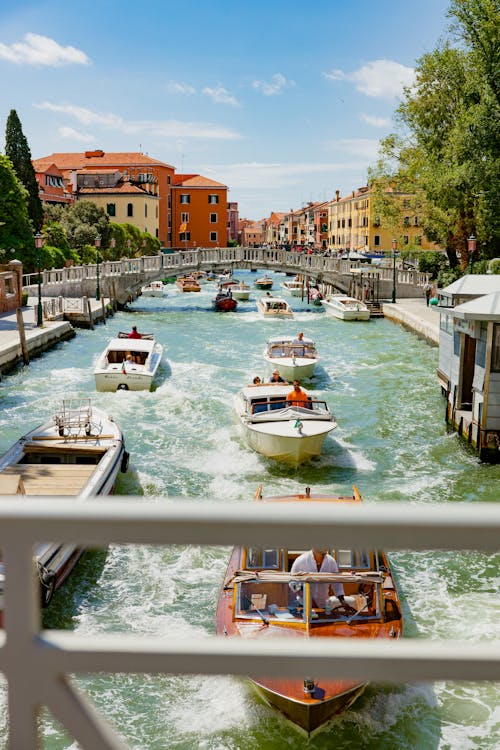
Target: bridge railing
{"x":37,"y":664}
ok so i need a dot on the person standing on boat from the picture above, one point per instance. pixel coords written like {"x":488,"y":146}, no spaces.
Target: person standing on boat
{"x":297,"y":397}
{"x":134,"y":333}
{"x":320,"y":561}
{"x":299,"y":339}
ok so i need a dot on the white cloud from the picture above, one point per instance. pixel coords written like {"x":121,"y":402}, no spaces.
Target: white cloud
{"x":364,"y":148}
{"x":162,"y":128}
{"x":383,"y":79}
{"x":220,"y":95}
{"x":177,"y":87}
{"x":75,"y":135}
{"x":41,"y":50}
{"x":377,"y":122}
{"x":273,"y":87}
{"x":258,"y":175}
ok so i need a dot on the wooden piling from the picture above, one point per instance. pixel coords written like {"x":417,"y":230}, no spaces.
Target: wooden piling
{"x":22,"y":335}
{"x":103,"y":308}
{"x":91,"y":322}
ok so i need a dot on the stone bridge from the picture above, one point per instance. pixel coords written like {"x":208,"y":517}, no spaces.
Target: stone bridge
{"x":122,"y":280}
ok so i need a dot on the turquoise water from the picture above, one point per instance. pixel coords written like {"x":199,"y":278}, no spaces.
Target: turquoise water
{"x":380,"y":382}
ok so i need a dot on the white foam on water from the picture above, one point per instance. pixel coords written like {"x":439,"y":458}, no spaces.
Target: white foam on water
{"x":351,"y":457}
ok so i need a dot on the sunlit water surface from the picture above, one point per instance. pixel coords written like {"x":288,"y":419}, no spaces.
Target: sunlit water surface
{"x":380,"y":381}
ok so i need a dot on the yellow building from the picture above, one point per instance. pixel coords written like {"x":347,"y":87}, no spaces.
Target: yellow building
{"x":353,"y":224}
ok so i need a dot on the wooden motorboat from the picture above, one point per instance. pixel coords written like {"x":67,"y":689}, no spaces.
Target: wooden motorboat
{"x":188,"y":284}
{"x":224,"y":302}
{"x":265,"y":282}
{"x":78,"y":452}
{"x":262,"y":598}
{"x":241,"y":291}
{"x":345,"y":308}
{"x":274,"y":307}
{"x":153,"y":289}
{"x":295,"y":287}
{"x":128,"y":364}
{"x":279,"y":429}
{"x":292,"y":358}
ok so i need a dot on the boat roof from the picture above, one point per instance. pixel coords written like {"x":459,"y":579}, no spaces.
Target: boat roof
{"x":125,"y":345}
{"x":288,"y":340}
{"x":272,"y":298}
{"x":263,"y":390}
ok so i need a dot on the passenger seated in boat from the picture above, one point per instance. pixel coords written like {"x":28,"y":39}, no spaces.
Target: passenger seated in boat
{"x":320,"y":561}
{"x":297,"y":397}
{"x":257,"y":380}
{"x":134,"y":333}
{"x":276,"y":378}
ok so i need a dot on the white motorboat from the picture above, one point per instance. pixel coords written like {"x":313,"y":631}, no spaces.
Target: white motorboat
{"x":241,"y":291}
{"x":294,"y":287}
{"x":274,"y":307}
{"x":282,"y":429}
{"x":128,"y":364}
{"x":292,"y":358}
{"x":153,"y":289}
{"x":345,"y":308}
{"x":78,"y":452}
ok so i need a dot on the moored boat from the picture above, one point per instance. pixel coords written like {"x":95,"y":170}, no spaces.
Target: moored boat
{"x":265,"y":282}
{"x":78,"y":452}
{"x":295,"y":287}
{"x":278,"y":427}
{"x":345,"y":308}
{"x":292,"y":358}
{"x":224,"y":301}
{"x":265,"y":594}
{"x":241,"y":291}
{"x":153,"y":289}
{"x":188,"y":284}
{"x":128,"y":364}
{"x":274,"y":307}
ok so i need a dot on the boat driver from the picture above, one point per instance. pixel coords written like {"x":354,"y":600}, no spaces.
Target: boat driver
{"x":318,"y":560}
{"x":297,"y":397}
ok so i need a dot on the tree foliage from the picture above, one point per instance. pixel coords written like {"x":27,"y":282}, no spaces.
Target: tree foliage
{"x":18,"y":151}
{"x":15,"y":227}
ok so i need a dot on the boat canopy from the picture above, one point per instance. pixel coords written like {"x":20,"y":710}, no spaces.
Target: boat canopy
{"x":279,"y":576}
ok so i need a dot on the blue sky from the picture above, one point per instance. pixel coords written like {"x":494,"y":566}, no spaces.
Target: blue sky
{"x":281,"y":101}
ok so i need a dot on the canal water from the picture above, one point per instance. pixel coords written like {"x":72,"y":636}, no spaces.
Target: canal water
{"x":380,"y":382}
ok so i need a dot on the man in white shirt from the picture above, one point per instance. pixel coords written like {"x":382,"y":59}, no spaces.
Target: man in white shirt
{"x":319,"y":561}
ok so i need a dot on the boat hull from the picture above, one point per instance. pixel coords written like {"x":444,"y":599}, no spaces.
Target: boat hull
{"x":225,"y":305}
{"x":266,"y":285}
{"x":118,"y":381}
{"x":290,"y":370}
{"x":289,"y":449}
{"x":335,"y":312}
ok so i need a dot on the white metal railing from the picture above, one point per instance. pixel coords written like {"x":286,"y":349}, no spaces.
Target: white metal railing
{"x":37,"y":663}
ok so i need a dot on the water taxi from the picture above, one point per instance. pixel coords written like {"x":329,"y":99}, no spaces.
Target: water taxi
{"x":292,"y":358}
{"x":78,"y":452}
{"x":128,"y":364}
{"x":188,"y":284}
{"x":265,"y":282}
{"x":153,"y":289}
{"x":265,"y":594}
{"x":278,"y":428}
{"x":274,"y":307}
{"x":241,"y":291}
{"x":295,"y":287}
{"x":345,"y":308}
{"x":224,"y":301}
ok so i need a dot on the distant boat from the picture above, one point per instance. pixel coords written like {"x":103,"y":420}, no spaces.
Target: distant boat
{"x":265,"y":282}
{"x":240,"y":291}
{"x":153,"y":289}
{"x":224,"y":302}
{"x":128,"y":364}
{"x":293,"y":359}
{"x":188,"y":284}
{"x":294,"y":287}
{"x":274,"y":307}
{"x":78,"y":453}
{"x":262,"y":598}
{"x":345,"y":308}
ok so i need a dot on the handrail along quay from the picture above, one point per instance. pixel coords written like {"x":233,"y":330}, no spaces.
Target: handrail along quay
{"x":37,"y":663}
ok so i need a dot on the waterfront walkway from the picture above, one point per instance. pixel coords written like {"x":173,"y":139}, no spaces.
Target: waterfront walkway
{"x":415,"y":315}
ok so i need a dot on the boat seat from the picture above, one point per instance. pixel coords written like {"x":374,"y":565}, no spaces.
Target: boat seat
{"x":275,"y":593}
{"x":52,"y":479}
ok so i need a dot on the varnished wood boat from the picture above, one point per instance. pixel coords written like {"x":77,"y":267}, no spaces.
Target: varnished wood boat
{"x":79,"y":453}
{"x":188,"y":284}
{"x":262,"y":598}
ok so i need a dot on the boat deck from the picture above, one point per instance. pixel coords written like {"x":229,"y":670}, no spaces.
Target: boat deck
{"x":52,"y":479}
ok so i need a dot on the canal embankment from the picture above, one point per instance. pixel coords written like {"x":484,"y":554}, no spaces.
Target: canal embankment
{"x":416,"y":316}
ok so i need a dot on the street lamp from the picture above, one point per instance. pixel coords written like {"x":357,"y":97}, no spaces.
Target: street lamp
{"x":97,"y":243}
{"x":39,"y":311}
{"x":394,"y":246}
{"x":471,"y":246}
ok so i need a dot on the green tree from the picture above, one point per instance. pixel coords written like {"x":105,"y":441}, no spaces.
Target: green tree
{"x":15,"y":227}
{"x":18,"y":151}
{"x":83,"y":221}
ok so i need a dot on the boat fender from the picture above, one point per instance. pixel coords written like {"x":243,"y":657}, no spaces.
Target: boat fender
{"x":124,"y":463}
{"x":47,"y":586}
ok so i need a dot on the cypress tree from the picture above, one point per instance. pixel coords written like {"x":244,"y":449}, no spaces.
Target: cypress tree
{"x":18,"y":151}
{"x":15,"y":227}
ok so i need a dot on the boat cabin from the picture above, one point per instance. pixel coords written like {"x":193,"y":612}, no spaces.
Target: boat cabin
{"x":269,"y":397}
{"x":135,"y":351}
{"x":286,"y":347}
{"x":265,"y":589}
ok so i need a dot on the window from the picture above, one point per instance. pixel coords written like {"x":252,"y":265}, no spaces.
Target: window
{"x":213,"y":218}
{"x":185,"y":198}
{"x":184,"y":217}
{"x":111,"y":209}
{"x":9,"y":285}
{"x":406,"y":239}
{"x":213,"y":236}
{"x":406,"y":221}
{"x":156,"y":212}
{"x":130,"y":209}
{"x":146,"y":210}
{"x":376,"y":240}
{"x":185,"y":236}
{"x":213,"y":198}
{"x":417,"y":239}
{"x":495,"y":349}
{"x":156,"y":232}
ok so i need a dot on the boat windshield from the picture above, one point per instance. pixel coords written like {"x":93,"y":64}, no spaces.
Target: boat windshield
{"x":292,"y":350}
{"x":273,"y":403}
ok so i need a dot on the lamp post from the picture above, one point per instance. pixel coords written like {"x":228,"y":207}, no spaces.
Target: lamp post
{"x":39,"y":310}
{"x":471,"y":246}
{"x":394,"y":246}
{"x":97,"y":243}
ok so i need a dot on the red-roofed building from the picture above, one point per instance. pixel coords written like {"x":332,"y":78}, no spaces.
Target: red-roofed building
{"x":199,"y":212}
{"x":51,"y":186}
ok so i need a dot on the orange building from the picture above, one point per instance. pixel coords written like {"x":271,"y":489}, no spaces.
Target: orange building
{"x":143,"y":170}
{"x":51,"y":186}
{"x":199,"y":212}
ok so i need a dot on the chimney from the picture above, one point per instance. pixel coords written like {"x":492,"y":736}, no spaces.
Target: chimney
{"x":337,"y":195}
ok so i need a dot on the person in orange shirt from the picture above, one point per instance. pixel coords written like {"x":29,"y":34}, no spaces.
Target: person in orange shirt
{"x":297,"y":397}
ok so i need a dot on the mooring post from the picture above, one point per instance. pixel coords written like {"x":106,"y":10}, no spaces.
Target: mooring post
{"x":22,"y":335}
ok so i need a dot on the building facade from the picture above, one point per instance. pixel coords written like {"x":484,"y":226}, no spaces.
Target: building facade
{"x":199,"y":212}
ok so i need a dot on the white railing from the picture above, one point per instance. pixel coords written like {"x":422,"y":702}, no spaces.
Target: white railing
{"x":37,"y":663}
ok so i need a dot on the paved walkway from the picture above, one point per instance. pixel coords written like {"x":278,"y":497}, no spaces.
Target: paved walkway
{"x":416,"y":316}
